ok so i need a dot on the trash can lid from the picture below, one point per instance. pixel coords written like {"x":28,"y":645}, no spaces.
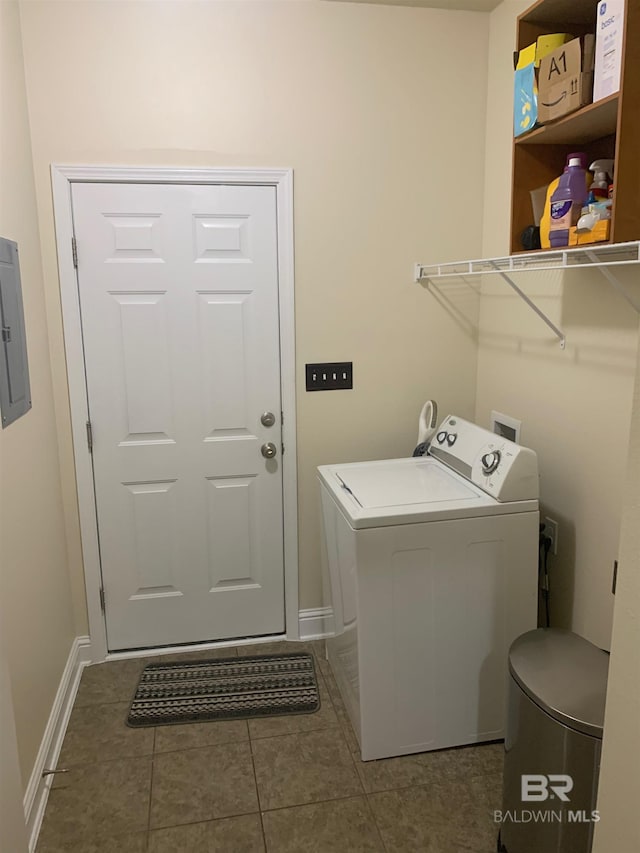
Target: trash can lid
{"x":564,"y":674}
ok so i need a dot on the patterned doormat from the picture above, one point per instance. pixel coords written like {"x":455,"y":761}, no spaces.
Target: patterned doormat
{"x":225,"y":689}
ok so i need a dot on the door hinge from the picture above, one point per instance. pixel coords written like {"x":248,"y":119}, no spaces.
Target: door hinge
{"x":6,"y":334}
{"x":102,"y":604}
{"x":74,"y":252}
{"x":89,"y":436}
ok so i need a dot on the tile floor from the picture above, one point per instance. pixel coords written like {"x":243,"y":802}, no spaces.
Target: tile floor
{"x":282,"y":785}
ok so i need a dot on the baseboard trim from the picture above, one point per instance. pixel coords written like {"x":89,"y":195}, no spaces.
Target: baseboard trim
{"x":316,"y":623}
{"x":37,"y":793}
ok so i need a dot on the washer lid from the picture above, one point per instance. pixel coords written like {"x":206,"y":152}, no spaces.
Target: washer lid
{"x":408,"y":491}
{"x":389,"y":484}
{"x":565,"y":675}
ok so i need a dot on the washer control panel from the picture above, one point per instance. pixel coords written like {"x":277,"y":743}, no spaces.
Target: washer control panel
{"x":448,"y":439}
{"x":505,"y":470}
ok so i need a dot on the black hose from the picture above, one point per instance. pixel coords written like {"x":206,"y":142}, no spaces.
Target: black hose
{"x":547,"y":547}
{"x":544,"y":546}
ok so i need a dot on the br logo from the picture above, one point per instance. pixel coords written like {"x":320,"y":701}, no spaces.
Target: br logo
{"x":536,"y":787}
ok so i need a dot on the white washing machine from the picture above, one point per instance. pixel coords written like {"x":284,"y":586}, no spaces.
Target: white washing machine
{"x":433,"y":568}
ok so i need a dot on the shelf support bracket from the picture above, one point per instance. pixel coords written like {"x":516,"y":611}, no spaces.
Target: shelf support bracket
{"x":557,"y":332}
{"x":614,"y":281}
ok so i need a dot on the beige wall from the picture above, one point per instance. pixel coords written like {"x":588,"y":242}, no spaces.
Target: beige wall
{"x":35,"y":607}
{"x":354,"y":99}
{"x":619,"y":787}
{"x":564,"y":398}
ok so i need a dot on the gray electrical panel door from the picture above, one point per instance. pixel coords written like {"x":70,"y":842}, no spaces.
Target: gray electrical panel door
{"x":15,"y":395}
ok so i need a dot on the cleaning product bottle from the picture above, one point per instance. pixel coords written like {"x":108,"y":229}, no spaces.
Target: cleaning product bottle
{"x":602,"y":173}
{"x":545,"y":221}
{"x":567,"y":202}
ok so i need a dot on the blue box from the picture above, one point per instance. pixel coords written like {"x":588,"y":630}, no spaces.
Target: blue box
{"x":525,"y":100}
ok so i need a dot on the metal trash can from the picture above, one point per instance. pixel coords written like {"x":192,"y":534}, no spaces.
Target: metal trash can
{"x":557,"y":691}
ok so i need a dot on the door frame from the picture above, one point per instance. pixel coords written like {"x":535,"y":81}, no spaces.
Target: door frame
{"x":62,"y":178}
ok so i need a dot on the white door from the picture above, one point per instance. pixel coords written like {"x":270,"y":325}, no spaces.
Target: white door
{"x":179,"y":301}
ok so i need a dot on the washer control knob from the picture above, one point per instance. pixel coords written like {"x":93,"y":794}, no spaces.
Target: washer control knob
{"x":451,"y":438}
{"x":490,"y":461}
{"x":441,"y":437}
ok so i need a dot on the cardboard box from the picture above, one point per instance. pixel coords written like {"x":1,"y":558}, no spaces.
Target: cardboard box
{"x":609,"y":38}
{"x":565,"y":81}
{"x":526,"y":62}
{"x":535,"y":52}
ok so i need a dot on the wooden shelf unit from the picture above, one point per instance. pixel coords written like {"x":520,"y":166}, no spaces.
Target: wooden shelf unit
{"x":608,"y":128}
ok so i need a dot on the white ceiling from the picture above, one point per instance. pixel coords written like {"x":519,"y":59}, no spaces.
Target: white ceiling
{"x":470,"y":5}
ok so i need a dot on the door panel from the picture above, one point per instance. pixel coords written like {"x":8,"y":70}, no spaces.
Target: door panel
{"x":179,"y":300}
{"x":223,"y":324}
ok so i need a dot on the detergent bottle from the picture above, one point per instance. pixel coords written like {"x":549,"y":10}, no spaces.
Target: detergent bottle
{"x":567,"y":202}
{"x":545,"y":221}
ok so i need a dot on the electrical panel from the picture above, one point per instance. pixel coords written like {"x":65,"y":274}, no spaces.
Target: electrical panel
{"x":15,"y":394}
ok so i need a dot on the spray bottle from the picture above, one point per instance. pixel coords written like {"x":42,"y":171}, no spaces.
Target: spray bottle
{"x":602,"y":177}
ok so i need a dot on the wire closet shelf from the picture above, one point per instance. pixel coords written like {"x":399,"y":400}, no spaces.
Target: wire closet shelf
{"x":605,"y":258}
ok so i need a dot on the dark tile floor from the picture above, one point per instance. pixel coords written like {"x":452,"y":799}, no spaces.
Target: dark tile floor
{"x":284,"y":785}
